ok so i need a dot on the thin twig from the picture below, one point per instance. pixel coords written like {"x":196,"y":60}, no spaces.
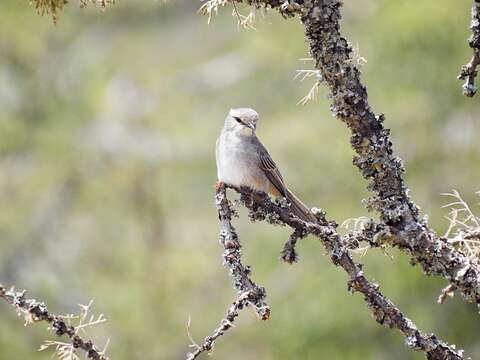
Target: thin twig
{"x":288,"y":253}
{"x":464,"y":227}
{"x":55,"y":7}
{"x":447,"y":291}
{"x":243,"y":300}
{"x":37,"y":311}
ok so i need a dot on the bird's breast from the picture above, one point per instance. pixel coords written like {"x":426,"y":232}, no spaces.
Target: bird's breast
{"x":238,"y":164}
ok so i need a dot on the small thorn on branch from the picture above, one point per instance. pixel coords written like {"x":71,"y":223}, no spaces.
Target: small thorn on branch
{"x":447,"y":291}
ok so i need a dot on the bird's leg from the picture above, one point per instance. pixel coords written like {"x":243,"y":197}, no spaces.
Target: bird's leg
{"x":219,"y":185}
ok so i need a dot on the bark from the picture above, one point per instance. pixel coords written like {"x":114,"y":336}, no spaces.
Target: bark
{"x":35,"y":311}
{"x":385,"y":312}
{"x":401,"y":225}
{"x":469,"y":71}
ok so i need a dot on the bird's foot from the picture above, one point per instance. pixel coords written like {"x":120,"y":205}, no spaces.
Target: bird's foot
{"x":219,"y":185}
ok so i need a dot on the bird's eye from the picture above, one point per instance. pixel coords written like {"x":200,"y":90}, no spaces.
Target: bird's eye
{"x":237,"y":119}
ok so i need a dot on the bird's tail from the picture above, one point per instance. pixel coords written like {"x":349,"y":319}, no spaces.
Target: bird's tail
{"x":300,"y":209}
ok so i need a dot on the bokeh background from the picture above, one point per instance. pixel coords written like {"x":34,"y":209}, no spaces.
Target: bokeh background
{"x":107,"y":129}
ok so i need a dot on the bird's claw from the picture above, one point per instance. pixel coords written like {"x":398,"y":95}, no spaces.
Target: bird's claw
{"x":219,"y":185}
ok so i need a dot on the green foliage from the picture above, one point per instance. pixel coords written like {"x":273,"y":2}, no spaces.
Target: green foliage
{"x":107,"y":134}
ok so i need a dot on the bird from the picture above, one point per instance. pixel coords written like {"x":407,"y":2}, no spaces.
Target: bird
{"x":243,"y":161}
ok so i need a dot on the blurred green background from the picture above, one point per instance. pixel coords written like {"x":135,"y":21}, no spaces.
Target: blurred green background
{"x":107,"y":129}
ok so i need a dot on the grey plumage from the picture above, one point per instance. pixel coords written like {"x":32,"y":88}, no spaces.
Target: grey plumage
{"x":242,"y":160}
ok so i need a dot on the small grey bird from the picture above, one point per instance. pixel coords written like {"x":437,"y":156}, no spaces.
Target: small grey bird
{"x":242,"y":160}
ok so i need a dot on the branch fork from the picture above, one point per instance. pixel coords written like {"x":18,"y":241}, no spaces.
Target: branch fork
{"x":276,"y":213}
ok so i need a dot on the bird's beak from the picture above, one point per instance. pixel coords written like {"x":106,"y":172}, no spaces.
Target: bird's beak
{"x":251,"y":126}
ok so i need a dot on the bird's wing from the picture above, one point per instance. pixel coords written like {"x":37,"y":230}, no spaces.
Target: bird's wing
{"x":271,"y":170}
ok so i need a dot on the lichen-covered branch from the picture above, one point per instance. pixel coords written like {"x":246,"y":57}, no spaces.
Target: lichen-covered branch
{"x":469,"y":71}
{"x":249,"y":293}
{"x":243,"y":300}
{"x":375,"y":157}
{"x":232,"y":256}
{"x":382,"y":309}
{"x":401,"y":225}
{"x":37,"y":311}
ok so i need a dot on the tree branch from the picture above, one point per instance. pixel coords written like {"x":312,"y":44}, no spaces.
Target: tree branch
{"x":249,"y":293}
{"x":242,"y":301}
{"x":261,"y":207}
{"x":232,"y":256}
{"x":375,"y":157}
{"x":401,"y":225}
{"x":37,"y":311}
{"x":469,"y":71}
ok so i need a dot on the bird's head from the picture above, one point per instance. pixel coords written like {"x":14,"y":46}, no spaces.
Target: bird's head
{"x":242,"y":120}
